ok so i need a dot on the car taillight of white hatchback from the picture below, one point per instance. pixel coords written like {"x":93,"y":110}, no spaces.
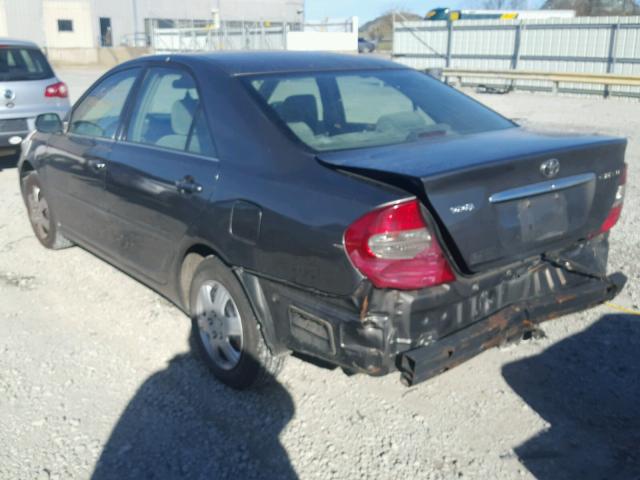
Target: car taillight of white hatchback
{"x":393,"y":247}
{"x":59,"y":90}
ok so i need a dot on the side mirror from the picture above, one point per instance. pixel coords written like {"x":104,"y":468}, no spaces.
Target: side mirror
{"x":49,"y":123}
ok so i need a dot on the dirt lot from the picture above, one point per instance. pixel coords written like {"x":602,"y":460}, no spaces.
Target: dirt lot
{"x":96,"y":375}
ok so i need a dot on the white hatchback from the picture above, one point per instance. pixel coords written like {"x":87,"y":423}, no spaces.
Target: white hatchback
{"x":28,"y":88}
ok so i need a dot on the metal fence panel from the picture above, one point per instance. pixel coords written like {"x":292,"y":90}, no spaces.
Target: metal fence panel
{"x":246,"y":36}
{"x":584,"y":44}
{"x":424,"y":44}
{"x":232,"y":35}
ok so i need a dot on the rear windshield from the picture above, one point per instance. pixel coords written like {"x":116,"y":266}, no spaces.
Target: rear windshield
{"x":19,"y":63}
{"x":343,"y":110}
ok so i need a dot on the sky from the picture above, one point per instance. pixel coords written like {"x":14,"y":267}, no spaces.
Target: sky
{"x":364,"y":9}
{"x":369,"y":9}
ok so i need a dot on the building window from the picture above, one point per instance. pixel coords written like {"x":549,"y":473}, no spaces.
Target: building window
{"x":65,"y":25}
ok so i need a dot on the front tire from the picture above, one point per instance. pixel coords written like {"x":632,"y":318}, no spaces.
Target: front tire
{"x":226,"y":332}
{"x":41,"y":216}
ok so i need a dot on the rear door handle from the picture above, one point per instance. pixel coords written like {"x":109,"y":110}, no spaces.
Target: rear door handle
{"x":97,"y":165}
{"x":188,"y":185}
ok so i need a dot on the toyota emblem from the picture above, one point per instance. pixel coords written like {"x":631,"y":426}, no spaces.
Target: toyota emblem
{"x":550,"y":168}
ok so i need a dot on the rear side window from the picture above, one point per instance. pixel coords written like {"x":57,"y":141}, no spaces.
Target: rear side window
{"x":168,"y":113}
{"x":98,"y":115}
{"x":19,"y":63}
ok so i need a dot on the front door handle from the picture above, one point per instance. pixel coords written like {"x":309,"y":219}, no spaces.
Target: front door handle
{"x":188,"y":185}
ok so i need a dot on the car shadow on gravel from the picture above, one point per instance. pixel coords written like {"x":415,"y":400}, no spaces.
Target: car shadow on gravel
{"x":587,"y":387}
{"x":182,"y":423}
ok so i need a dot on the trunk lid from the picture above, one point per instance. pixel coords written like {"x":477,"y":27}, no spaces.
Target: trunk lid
{"x":505,"y":195}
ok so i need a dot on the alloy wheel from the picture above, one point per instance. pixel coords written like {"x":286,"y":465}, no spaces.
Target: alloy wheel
{"x":219,"y":324}
{"x":39,"y":211}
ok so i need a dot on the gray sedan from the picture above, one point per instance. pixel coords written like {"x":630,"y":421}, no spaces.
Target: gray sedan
{"x":28,"y":88}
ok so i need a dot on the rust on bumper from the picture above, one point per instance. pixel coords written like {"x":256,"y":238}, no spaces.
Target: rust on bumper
{"x":427,"y":361}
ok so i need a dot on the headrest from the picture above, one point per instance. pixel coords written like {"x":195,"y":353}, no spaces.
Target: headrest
{"x":182,"y":114}
{"x":300,"y":108}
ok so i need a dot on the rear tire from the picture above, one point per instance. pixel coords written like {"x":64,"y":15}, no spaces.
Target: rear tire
{"x":43,"y":220}
{"x":225,"y":330}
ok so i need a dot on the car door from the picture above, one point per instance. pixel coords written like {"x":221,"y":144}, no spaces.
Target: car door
{"x":162,"y":171}
{"x":77,"y":160}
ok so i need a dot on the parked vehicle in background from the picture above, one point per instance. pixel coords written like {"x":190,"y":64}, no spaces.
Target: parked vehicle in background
{"x":348,"y":208}
{"x":365,"y":46}
{"x":28,"y":88}
{"x":445,"y":13}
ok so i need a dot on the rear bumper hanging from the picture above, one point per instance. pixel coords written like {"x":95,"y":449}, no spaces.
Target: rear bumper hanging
{"x":424,"y":362}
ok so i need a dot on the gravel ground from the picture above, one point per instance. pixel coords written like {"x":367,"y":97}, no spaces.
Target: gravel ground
{"x":96,"y":377}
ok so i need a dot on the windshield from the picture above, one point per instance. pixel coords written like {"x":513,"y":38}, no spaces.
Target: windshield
{"x":343,"y":110}
{"x":20,"y":63}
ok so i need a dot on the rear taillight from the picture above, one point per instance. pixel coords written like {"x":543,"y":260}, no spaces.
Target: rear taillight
{"x":616,"y":208}
{"x":57,"y":90}
{"x":393,"y":248}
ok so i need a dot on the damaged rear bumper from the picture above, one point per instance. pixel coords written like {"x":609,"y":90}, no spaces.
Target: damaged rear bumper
{"x":424,"y":362}
{"x":424,"y":332}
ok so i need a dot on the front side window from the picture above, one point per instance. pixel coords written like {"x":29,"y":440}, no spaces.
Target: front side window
{"x":168,"y":113}
{"x":98,"y":115}
{"x":19,"y":63}
{"x":343,"y":110}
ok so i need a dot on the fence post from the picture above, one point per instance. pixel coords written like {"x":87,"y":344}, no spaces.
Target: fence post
{"x":449,"y":42}
{"x":285,"y":28}
{"x":154,"y":41}
{"x":516,"y":47}
{"x":611,"y":58}
{"x":393,"y":33}
{"x":224,"y":45}
{"x":194,"y":41}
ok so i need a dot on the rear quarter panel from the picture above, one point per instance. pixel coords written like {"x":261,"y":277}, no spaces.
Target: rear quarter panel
{"x":304,"y":207}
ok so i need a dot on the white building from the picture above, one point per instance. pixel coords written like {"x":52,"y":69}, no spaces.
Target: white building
{"x":87,"y":24}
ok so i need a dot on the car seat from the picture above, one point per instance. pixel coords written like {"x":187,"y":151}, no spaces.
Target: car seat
{"x":182,"y":113}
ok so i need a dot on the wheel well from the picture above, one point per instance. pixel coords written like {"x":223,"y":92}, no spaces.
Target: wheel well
{"x":190,"y":261}
{"x":192,"y":258}
{"x":26,"y":168}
